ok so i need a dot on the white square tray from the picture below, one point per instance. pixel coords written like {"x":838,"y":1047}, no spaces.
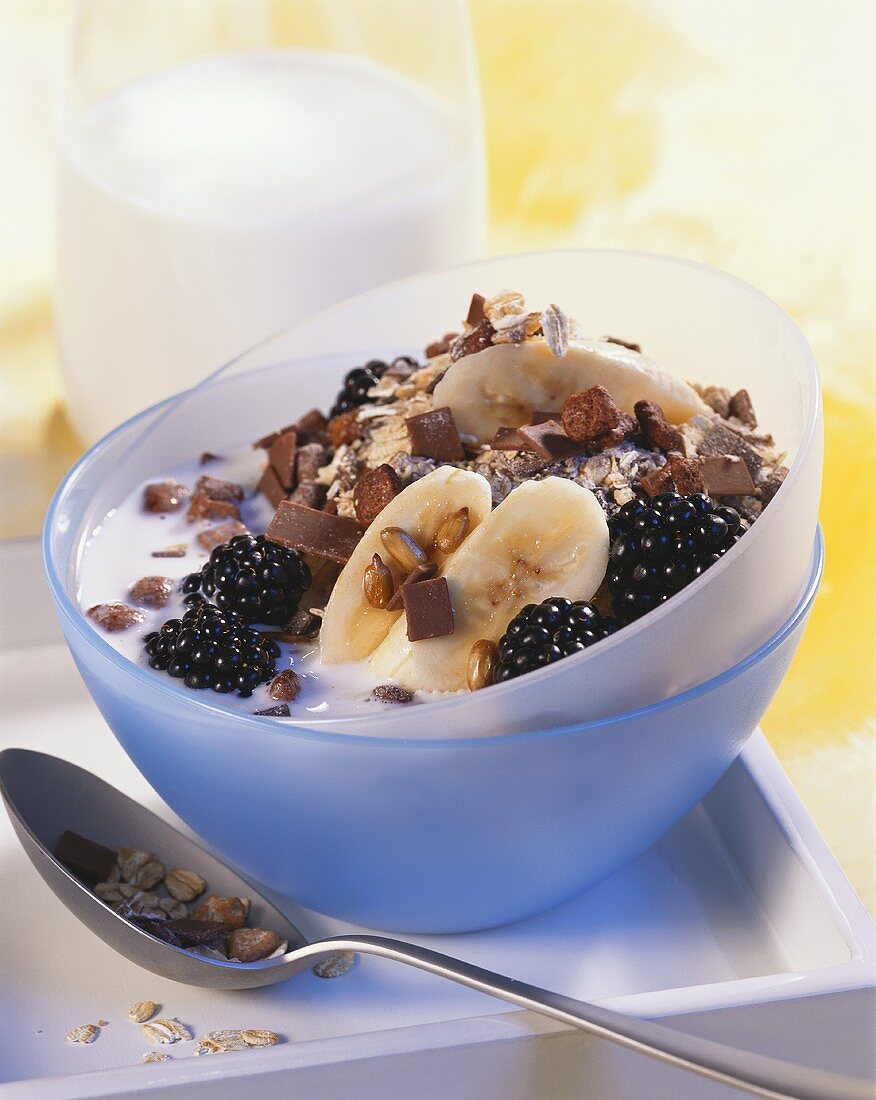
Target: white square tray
{"x":741,"y":905}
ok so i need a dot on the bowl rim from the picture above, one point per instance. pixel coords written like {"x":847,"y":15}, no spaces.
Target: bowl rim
{"x":157,"y":411}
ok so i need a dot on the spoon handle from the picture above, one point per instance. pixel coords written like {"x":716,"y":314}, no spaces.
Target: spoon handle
{"x":752,"y":1073}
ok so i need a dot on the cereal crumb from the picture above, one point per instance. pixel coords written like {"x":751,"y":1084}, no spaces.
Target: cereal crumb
{"x":141,"y":1011}
{"x":85,"y":1033}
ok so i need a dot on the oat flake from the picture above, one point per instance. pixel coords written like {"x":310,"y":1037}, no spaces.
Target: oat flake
{"x":85,"y":1033}
{"x":166,"y":1031}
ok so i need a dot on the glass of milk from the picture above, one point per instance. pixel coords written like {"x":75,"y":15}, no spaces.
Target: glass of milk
{"x":226,"y":167}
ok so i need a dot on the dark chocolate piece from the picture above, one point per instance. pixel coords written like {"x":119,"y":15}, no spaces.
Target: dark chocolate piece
{"x":271,"y":487}
{"x":198,"y":933}
{"x":423,"y":572}
{"x":433,"y":435}
{"x":87,"y":859}
{"x":589,"y":414}
{"x":627,"y":428}
{"x":549,"y":441}
{"x":726,"y":476}
{"x":373,"y":491}
{"x":281,"y":710}
{"x":472,"y":340}
{"x":302,"y":528}
{"x":657,"y":429}
{"x":158,"y":928}
{"x":207,"y":457}
{"x":392,"y":693}
{"x":428,"y":609}
{"x":281,"y":455}
{"x":475,"y":310}
{"x":622,"y":343}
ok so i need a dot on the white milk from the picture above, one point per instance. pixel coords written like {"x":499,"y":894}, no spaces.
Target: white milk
{"x":204,"y":207}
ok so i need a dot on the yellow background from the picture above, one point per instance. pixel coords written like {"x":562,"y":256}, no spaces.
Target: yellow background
{"x":735,"y":132}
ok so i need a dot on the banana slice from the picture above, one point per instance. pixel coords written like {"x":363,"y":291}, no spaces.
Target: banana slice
{"x":502,"y":385}
{"x":547,"y":538}
{"x":351,"y":627}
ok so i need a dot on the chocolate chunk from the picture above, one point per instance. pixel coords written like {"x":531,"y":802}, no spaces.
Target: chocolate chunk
{"x":281,"y":456}
{"x":303,"y":624}
{"x":270,"y":486}
{"x":773,"y":483}
{"x":548,"y":440}
{"x":198,"y":933}
{"x":539,"y":416}
{"x":508,"y":439}
{"x":178,"y":551}
{"x":475,"y":310}
{"x":436,"y":378}
{"x":310,"y":493}
{"x":345,"y":428}
{"x":285,"y":686}
{"x":472,"y":340}
{"x":212,"y":537}
{"x":158,"y":928}
{"x":311,"y":428}
{"x":717,"y":398}
{"x":267,"y":440}
{"x":392,"y":693}
{"x":742,"y":408}
{"x":302,"y":528}
{"x":281,"y":710}
{"x":87,"y":859}
{"x":657,"y":429}
{"x":684,"y":475}
{"x":626,"y":429}
{"x":373,"y":491}
{"x":423,"y":572}
{"x":207,"y":457}
{"x":722,"y":441}
{"x":428,"y":609}
{"x":164,"y":496}
{"x":589,"y":414}
{"x":331,"y":506}
{"x":433,"y":435}
{"x":311,"y":459}
{"x":217,"y":489}
{"x":209,"y":508}
{"x":151,"y":591}
{"x":114,"y":617}
{"x":622,"y":343}
{"x":442,"y":346}
{"x":726,"y":476}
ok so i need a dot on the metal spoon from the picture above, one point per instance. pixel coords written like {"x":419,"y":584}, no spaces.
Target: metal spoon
{"x":45,"y":795}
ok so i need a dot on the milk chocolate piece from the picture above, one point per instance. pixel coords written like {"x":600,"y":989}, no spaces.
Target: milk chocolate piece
{"x":310,"y":493}
{"x":507,"y":439}
{"x":423,"y":572}
{"x":302,"y":528}
{"x":87,"y":859}
{"x":281,"y":455}
{"x":433,"y":435}
{"x":217,"y":489}
{"x":589,"y":414}
{"x":210,"y":508}
{"x":475,"y":310}
{"x":656,"y":428}
{"x":373,"y":491}
{"x":722,"y":441}
{"x":345,"y":428}
{"x":207,"y":457}
{"x":212,"y":537}
{"x":311,"y":428}
{"x":771,"y":486}
{"x":742,"y":408}
{"x":267,"y":440}
{"x":726,"y":476}
{"x":622,"y":343}
{"x":392,"y":693}
{"x":270,"y":486}
{"x":281,"y":710}
{"x":717,"y":398}
{"x":311,"y":459}
{"x":164,"y":496}
{"x":428,"y":609}
{"x":549,"y":441}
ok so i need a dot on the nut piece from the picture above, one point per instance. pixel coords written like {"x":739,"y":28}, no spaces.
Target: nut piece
{"x":140,"y":868}
{"x":164,"y":496}
{"x":109,"y":892}
{"x":451,"y":534}
{"x":232,"y":912}
{"x":285,"y":686}
{"x":156,"y":1056}
{"x":345,"y":428}
{"x":176,"y":910}
{"x":151,"y":591}
{"x":167,"y":1030}
{"x":85,"y":1033}
{"x":184,"y":885}
{"x":656,"y":428}
{"x":114,"y":617}
{"x":251,"y":944}
{"x":402,"y":547}
{"x":481,"y":661}
{"x":141,"y":1011}
{"x":377,"y":583}
{"x":333,"y":966}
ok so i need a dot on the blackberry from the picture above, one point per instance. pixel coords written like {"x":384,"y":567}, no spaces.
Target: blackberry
{"x":261,"y":581}
{"x":210,"y":648}
{"x":659,"y":547}
{"x":360,"y":380}
{"x":546,"y":632}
